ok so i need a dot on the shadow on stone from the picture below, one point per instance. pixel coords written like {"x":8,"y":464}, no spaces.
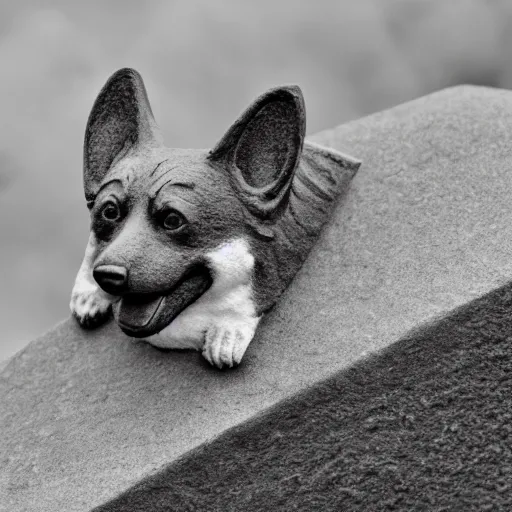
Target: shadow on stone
{"x":423,"y":425}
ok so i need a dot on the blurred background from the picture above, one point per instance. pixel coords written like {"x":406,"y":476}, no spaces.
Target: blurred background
{"x":203,"y":61}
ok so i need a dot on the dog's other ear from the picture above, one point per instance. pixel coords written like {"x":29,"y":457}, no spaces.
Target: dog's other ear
{"x":120,"y":118}
{"x":262,"y":149}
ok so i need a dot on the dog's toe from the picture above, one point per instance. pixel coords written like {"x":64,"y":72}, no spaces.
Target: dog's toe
{"x":89,"y":307}
{"x":225,"y":345}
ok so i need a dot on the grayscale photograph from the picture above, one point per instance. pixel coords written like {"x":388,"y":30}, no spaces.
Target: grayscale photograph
{"x":256,"y":255}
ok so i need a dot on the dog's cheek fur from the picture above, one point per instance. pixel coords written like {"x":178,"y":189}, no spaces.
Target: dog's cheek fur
{"x":218,"y":221}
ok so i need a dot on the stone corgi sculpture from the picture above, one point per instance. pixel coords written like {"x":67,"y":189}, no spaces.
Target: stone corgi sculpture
{"x":188,"y":248}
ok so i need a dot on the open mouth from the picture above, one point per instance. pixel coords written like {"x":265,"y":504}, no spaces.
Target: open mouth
{"x":143,"y":314}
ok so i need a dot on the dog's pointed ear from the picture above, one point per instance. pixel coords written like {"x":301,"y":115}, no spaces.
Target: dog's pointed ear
{"x":262,"y":148}
{"x":120,"y":118}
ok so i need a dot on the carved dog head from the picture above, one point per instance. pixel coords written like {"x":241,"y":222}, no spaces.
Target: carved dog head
{"x":192,"y":246}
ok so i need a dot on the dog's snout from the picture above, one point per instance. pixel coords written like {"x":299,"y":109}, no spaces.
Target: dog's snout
{"x":111,"y":278}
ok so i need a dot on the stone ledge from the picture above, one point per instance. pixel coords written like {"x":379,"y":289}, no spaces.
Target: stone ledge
{"x":422,"y":425}
{"x":425,"y":227}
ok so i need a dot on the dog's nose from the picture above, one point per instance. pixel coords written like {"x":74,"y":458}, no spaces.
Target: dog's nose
{"x":111,"y":278}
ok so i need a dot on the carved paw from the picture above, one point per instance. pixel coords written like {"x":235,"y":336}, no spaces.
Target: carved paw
{"x":90,"y":306}
{"x":226,"y":342}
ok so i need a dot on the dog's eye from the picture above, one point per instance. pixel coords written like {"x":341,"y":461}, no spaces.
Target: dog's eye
{"x":173,"y":220}
{"x":110,"y":211}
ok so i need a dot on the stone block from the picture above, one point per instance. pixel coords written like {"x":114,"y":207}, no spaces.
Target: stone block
{"x":424,"y":227}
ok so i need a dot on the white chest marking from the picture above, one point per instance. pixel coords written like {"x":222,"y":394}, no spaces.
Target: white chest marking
{"x":224,"y":316}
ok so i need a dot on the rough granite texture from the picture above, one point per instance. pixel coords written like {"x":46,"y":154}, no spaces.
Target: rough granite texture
{"x":425,"y":226}
{"x":423,"y":426}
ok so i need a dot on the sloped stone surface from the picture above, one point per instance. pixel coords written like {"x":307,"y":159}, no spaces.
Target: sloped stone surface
{"x":425,"y":226}
{"x":424,"y":425}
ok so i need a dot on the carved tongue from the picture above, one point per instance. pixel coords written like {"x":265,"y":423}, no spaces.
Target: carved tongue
{"x":136,"y":312}
{"x":141,"y":315}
